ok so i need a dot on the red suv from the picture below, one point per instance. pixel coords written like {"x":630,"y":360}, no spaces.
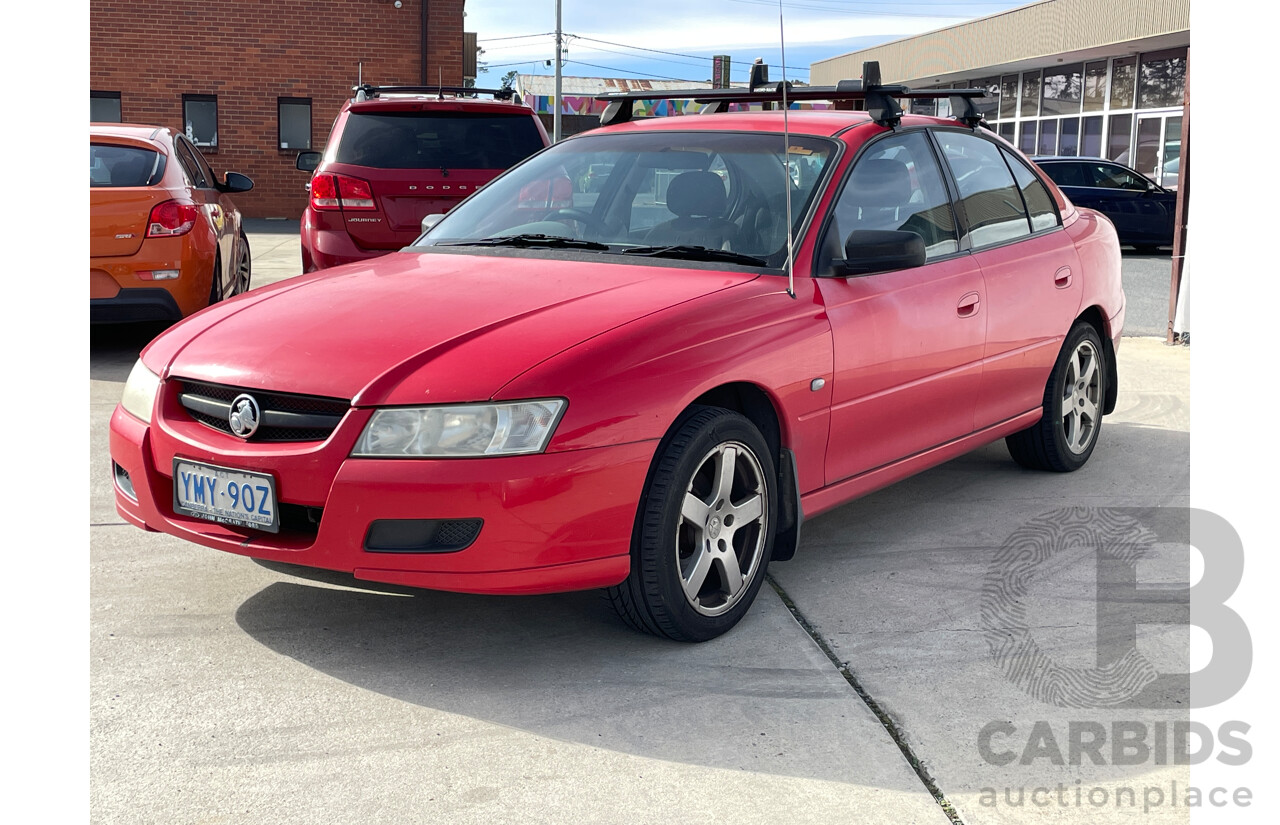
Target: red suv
{"x":399,"y":153}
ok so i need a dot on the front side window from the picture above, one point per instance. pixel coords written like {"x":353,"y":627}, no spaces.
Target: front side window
{"x":989,"y":197}
{"x":200,"y":119}
{"x":897,"y":185}
{"x":1108,"y":176}
{"x":724,"y":191}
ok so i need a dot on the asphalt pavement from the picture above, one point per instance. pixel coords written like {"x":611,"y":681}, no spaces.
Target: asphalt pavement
{"x":871,"y":682}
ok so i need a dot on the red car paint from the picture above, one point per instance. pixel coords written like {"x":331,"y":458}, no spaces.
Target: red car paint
{"x":871,"y":379}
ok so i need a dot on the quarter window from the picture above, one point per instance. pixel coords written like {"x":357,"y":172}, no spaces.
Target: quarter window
{"x":989,"y":197}
{"x":897,"y":185}
{"x":1036,"y":198}
{"x":193,"y":169}
{"x":200,"y":119}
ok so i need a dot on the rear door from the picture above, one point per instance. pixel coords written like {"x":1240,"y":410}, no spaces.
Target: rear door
{"x":124,"y":185}
{"x":420,"y":158}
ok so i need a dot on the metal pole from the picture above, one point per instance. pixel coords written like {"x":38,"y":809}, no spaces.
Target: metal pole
{"x":1184,"y":200}
{"x":555,"y":118}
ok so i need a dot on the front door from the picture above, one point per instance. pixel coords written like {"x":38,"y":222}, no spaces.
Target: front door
{"x":1159,"y":148}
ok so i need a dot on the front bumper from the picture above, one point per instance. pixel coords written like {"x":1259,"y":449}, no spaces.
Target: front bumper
{"x":553,"y":522}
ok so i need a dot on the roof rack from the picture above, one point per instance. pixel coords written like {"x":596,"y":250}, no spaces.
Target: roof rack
{"x":881,"y":99}
{"x":367,"y":91}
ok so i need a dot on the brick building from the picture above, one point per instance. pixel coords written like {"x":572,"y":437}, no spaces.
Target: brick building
{"x":256,"y":82}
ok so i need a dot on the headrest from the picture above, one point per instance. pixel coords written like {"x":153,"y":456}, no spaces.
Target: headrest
{"x":881,"y":183}
{"x":696,"y":195}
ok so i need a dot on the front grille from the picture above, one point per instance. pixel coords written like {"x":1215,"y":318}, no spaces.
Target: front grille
{"x":285,"y":416}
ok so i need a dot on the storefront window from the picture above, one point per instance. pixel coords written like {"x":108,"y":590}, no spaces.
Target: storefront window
{"x":988,"y":106}
{"x":1027,"y":137}
{"x":1118,"y":138}
{"x":1007,"y":130}
{"x":1030,"y":94}
{"x":1091,"y":146}
{"x":1161,"y":79}
{"x":1008,"y":95}
{"x":1062,"y":88}
{"x":1048,"y":137}
{"x":1122,"y":83}
{"x":1069,"y":142}
{"x":1095,"y":86}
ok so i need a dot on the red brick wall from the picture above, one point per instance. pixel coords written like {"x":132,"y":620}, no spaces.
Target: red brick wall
{"x":251,"y":52}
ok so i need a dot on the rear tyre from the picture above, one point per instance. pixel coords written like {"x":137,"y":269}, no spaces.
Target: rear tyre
{"x":1064,"y":437}
{"x":704,"y":532}
{"x":244,"y":266}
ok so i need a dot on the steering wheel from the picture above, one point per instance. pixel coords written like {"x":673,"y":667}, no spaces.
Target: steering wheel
{"x":582,"y":216}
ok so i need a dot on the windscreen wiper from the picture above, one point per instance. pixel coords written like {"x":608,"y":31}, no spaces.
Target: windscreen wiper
{"x":696,"y":253}
{"x":532,"y":241}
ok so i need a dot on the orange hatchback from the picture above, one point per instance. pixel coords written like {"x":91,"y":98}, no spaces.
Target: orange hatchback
{"x":164,"y":238}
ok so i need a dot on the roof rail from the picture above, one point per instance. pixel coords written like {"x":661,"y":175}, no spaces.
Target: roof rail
{"x":367,"y":91}
{"x":881,"y":99}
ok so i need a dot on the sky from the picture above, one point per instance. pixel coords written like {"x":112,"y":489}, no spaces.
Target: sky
{"x":610,"y":39}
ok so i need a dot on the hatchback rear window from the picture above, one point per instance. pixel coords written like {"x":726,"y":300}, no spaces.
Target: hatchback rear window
{"x":111,"y":165}
{"x":438,"y":140}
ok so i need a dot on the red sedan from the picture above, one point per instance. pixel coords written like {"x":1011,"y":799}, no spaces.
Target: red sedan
{"x":639,"y":383}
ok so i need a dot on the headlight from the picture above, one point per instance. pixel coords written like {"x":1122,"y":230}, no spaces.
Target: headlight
{"x":140,"y":391}
{"x":513,"y":428}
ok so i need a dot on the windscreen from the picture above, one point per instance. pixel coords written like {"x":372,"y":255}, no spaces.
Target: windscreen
{"x":112,"y":165}
{"x":715,"y":190}
{"x":438,"y":140}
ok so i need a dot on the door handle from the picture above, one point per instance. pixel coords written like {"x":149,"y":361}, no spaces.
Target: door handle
{"x":967,"y":307}
{"x":1062,"y":278}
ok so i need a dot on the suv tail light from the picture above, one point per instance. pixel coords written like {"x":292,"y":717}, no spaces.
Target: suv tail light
{"x":171,"y":218}
{"x":341,"y":192}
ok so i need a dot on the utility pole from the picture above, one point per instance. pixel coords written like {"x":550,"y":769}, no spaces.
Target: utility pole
{"x":555,"y":117}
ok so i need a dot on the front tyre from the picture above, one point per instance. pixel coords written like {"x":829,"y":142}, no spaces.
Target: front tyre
{"x":1064,"y":437}
{"x":705,"y":530}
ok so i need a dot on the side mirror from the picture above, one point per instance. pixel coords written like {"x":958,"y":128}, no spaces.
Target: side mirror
{"x":868,"y":251}
{"x":431,"y":220}
{"x":236,"y":182}
{"x":308,"y":161}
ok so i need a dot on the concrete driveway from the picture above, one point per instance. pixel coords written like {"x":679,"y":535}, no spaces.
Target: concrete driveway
{"x":858,"y":688}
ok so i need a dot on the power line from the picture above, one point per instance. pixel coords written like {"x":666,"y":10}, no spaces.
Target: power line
{"x":674,"y":54}
{"x":514,"y":37}
{"x":867,"y":13}
{"x":629,"y":71}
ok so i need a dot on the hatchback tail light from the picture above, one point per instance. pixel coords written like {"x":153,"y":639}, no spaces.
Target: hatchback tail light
{"x":171,"y":218}
{"x":341,"y":192}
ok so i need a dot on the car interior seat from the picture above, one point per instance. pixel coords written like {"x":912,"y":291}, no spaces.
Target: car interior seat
{"x":878,"y":196}
{"x":698,"y":201}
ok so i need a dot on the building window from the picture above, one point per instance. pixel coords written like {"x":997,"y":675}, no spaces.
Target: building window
{"x":1048,"y":137}
{"x":1069,"y":142}
{"x":295,"y":122}
{"x":1007,"y":130}
{"x":1119,"y":137}
{"x":1027,"y":137}
{"x":1030,"y":94}
{"x":104,"y":107}
{"x":1122,"y":83}
{"x":1062,"y":88}
{"x":1008,"y":95}
{"x":1161,"y":79}
{"x":1092,"y":145}
{"x":988,"y":106}
{"x":1095,"y":86}
{"x":200,"y":119}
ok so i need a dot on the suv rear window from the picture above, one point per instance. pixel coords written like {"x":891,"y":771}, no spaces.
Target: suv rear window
{"x":111,"y":165}
{"x":438,"y":140}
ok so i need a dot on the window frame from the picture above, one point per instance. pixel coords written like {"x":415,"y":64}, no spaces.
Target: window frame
{"x":202,"y":98}
{"x":294,"y":101}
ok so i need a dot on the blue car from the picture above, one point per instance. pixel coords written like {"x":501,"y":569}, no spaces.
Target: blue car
{"x":1141,"y":210}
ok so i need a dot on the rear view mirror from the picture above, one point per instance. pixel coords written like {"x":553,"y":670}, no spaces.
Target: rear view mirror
{"x":556,"y":193}
{"x":431,"y":220}
{"x":868,"y":251}
{"x":308,"y":161}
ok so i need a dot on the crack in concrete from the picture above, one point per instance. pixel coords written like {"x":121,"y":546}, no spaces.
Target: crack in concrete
{"x":886,"y":721}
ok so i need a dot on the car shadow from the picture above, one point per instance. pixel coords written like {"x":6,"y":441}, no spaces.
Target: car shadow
{"x":114,"y":347}
{"x":564,"y":666}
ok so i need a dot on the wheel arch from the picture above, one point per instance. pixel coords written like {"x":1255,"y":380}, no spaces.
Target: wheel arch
{"x":1094,"y":317}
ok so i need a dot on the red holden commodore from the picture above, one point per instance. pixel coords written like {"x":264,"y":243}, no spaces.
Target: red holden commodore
{"x":638,"y":361}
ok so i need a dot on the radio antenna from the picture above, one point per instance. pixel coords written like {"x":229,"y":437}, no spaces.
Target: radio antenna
{"x":784,"y":87}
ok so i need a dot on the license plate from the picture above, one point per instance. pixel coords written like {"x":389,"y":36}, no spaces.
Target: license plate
{"x":225,"y":496}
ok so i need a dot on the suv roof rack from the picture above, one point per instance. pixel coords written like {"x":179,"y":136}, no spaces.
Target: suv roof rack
{"x":368,"y":91}
{"x":881,"y":99}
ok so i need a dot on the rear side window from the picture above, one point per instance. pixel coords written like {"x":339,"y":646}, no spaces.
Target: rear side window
{"x":989,"y":197}
{"x":1044,"y":215}
{"x":111,"y":165}
{"x":438,"y":140}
